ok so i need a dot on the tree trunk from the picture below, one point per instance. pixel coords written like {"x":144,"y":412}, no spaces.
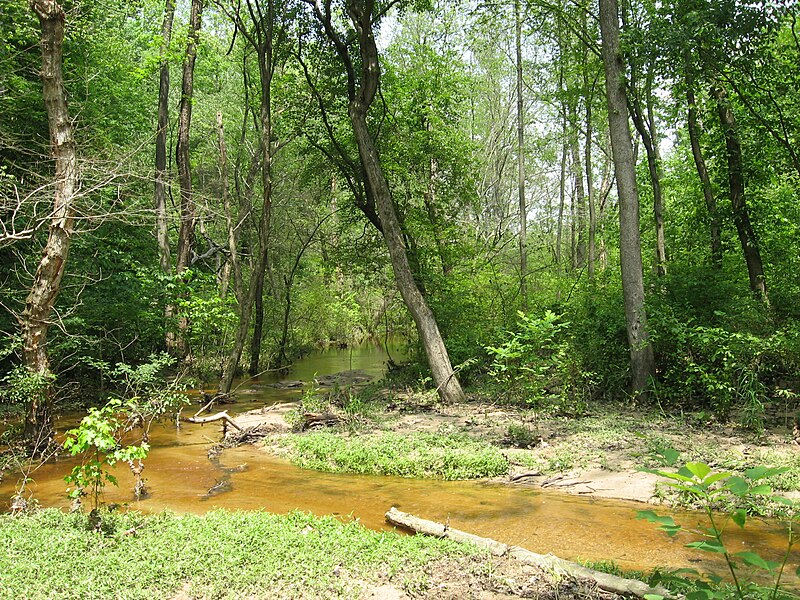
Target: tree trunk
{"x":641,"y":351}
{"x":46,"y":283}
{"x":187,"y":221}
{"x":741,"y":215}
{"x":447,"y":384}
{"x":523,"y":209}
{"x":160,"y":195}
{"x":579,"y":204}
{"x":262,"y":41}
{"x":702,"y":172}
{"x":645,"y":125}
{"x":232,"y":265}
{"x":587,"y":161}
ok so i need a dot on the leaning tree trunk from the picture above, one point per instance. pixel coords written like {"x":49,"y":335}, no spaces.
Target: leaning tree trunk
{"x":641,"y":351}
{"x":741,"y":215}
{"x":702,"y":172}
{"x":447,"y":384}
{"x":47,"y":279}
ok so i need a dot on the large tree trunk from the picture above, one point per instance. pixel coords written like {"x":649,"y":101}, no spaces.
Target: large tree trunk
{"x":447,"y":384}
{"x":741,"y":215}
{"x":47,"y":279}
{"x":702,"y":172}
{"x":187,"y":223}
{"x":641,"y":351}
{"x":523,"y":209}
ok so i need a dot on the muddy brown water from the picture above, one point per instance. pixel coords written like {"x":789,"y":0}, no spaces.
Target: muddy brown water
{"x":179,"y":476}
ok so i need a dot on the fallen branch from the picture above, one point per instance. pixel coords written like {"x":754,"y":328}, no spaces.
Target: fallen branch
{"x":220,"y":416}
{"x":604,"y":581}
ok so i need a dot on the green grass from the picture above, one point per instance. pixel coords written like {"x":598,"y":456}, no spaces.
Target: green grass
{"x":52,"y":555}
{"x":421,"y":455}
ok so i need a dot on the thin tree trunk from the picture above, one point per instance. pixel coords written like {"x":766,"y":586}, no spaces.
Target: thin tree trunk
{"x":46,"y":283}
{"x":162,"y":175}
{"x":523,"y":209}
{"x":579,"y":218}
{"x":562,"y":194}
{"x":262,"y":41}
{"x":741,"y":215}
{"x":232,"y":265}
{"x":654,"y":165}
{"x":641,"y":351}
{"x":702,"y":172}
{"x":186,"y":240}
{"x":646,"y":128}
{"x":587,"y":161}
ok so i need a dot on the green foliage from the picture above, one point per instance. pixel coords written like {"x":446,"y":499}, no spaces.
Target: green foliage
{"x":714,"y":367}
{"x":423,"y":455}
{"x":536,"y":365}
{"x":710,"y":489}
{"x":222,"y":554}
{"x":97,"y":438}
{"x":21,"y":385}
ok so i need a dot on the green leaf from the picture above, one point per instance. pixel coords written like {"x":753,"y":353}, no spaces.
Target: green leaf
{"x":715,"y":477}
{"x":707,"y":546}
{"x":698,"y":469}
{"x":737,"y":485}
{"x":739,"y":516}
{"x":760,"y":472}
{"x":652,"y":517}
{"x":753,"y":559}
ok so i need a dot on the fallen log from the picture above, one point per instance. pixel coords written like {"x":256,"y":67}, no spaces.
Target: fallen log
{"x":548,"y":562}
{"x":220,"y":416}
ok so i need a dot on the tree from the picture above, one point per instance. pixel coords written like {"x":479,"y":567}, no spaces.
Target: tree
{"x":186,"y":241}
{"x":641,"y":351}
{"x":363,"y":76}
{"x":47,"y":279}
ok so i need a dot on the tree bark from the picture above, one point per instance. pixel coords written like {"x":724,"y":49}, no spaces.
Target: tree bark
{"x":186,"y":240}
{"x":702,"y":173}
{"x":523,"y":209}
{"x":34,"y":322}
{"x":161,"y":175}
{"x":361,"y":93}
{"x":641,"y":351}
{"x":261,"y":39}
{"x":645,"y":125}
{"x":741,"y":214}
{"x":587,"y":163}
{"x":579,"y":212}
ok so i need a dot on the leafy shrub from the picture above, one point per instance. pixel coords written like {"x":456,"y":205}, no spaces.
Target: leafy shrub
{"x":536,"y":365}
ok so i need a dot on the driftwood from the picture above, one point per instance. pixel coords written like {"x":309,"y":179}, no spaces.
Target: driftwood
{"x":319,"y":419}
{"x":220,"y":416}
{"x":604,"y":581}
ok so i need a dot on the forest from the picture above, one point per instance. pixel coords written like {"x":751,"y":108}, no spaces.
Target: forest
{"x":562,"y":207}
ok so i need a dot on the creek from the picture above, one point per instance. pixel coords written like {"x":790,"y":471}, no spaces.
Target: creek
{"x":179,"y":476}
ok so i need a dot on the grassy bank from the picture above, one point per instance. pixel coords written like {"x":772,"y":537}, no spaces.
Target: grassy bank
{"x":222,"y":554}
{"x":255,"y":555}
{"x":420,"y":454}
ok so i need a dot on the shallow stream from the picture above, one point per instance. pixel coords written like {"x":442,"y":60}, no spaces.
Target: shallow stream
{"x":179,"y":476}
